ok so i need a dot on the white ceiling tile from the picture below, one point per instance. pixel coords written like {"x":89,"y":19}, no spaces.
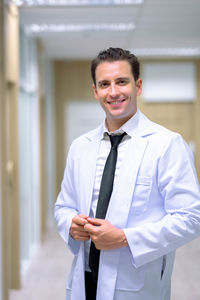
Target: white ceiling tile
{"x":159,"y":24}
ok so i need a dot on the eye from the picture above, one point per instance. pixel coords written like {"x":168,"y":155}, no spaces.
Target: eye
{"x":103,"y":84}
{"x":122,"y":81}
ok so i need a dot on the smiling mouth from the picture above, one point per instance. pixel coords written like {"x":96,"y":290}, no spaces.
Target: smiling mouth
{"x":116,"y":101}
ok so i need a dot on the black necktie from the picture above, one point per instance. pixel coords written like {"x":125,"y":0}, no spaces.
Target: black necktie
{"x":104,"y":197}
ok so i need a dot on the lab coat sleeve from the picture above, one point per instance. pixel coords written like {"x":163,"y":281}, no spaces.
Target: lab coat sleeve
{"x":179,"y":189}
{"x":66,"y":206}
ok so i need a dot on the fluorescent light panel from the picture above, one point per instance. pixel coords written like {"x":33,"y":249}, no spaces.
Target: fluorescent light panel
{"x":56,"y":28}
{"x":167,"y":52}
{"x":75,"y":2}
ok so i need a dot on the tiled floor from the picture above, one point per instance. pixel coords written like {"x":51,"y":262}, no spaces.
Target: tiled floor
{"x":47,"y":276}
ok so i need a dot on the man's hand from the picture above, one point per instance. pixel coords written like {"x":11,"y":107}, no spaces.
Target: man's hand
{"x":77,"y":230}
{"x":105,"y":235}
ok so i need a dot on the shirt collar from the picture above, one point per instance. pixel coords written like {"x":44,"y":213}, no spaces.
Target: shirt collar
{"x":129,"y":127}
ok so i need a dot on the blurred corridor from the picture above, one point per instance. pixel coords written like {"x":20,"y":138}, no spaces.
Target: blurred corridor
{"x":46,"y":100}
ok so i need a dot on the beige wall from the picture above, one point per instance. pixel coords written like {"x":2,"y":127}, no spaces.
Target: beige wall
{"x":4,"y":292}
{"x":11,"y":124}
{"x":42,"y":129}
{"x":177,"y":116}
{"x":73,"y":82}
{"x":9,"y":148}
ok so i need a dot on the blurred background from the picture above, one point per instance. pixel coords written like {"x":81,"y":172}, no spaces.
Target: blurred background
{"x":46,"y":100}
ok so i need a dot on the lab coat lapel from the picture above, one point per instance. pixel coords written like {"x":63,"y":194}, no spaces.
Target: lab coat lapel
{"x":87,"y":174}
{"x":123,"y":191}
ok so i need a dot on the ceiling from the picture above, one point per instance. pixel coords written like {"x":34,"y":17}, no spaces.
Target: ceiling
{"x":162,"y":28}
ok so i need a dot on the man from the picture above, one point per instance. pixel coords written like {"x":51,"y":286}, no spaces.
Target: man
{"x":154,"y":206}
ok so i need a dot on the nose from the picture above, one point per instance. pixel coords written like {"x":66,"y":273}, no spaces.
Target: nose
{"x":114,"y":91}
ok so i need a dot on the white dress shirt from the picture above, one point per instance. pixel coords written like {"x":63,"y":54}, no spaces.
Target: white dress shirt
{"x":104,"y":150}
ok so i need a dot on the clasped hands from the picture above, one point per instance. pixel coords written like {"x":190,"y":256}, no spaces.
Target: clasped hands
{"x":104,"y":235}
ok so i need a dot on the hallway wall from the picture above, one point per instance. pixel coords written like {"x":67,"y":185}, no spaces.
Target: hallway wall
{"x":21,"y":117}
{"x":9,"y":149}
{"x":29,"y":151}
{"x":49,"y":140}
{"x":72,"y":83}
{"x":1,"y":140}
{"x":10,"y":161}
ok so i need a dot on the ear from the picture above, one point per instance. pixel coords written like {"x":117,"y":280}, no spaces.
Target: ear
{"x":95,"y":92}
{"x":139,"y":86}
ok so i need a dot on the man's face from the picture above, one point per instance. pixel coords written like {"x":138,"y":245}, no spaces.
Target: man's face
{"x":117,"y":92}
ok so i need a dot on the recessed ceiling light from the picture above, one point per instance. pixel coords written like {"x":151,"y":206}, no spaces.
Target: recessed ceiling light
{"x":74,"y":2}
{"x":56,"y":28}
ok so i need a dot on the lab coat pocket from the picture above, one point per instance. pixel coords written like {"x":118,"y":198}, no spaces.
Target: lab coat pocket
{"x":129,"y":278}
{"x":141,"y":194}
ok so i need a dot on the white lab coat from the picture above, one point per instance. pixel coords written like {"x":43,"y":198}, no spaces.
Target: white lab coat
{"x":156,"y":200}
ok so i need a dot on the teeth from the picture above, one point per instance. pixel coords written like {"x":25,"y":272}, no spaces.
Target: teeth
{"x":116,"y":102}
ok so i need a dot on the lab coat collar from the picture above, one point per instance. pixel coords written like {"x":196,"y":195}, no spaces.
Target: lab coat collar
{"x":139,"y":124}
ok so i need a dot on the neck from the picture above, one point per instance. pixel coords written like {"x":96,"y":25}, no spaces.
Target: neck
{"x":113,"y":125}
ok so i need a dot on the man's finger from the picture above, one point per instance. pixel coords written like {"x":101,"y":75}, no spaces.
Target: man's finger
{"x":90,"y":228}
{"x":79,"y":237}
{"x":96,"y":221}
{"x":79,"y":220}
{"x":83,"y":216}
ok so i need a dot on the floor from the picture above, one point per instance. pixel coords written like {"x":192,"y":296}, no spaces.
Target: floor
{"x":46,"y":277}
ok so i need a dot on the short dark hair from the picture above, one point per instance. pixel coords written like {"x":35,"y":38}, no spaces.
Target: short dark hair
{"x":115,"y":54}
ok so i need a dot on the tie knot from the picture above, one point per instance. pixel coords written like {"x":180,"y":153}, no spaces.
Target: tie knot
{"x":116,"y":139}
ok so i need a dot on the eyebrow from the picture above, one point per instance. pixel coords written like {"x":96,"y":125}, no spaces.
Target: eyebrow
{"x":123,"y":78}
{"x":119,"y":78}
